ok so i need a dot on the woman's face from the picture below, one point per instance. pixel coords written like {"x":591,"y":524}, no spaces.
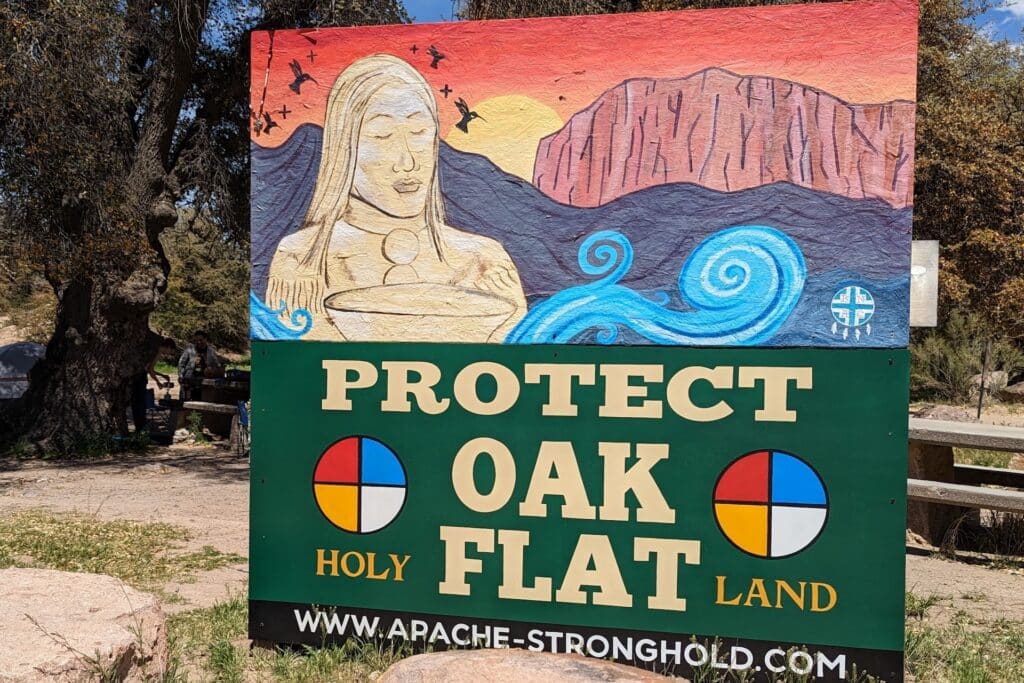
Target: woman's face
{"x":395,"y":160}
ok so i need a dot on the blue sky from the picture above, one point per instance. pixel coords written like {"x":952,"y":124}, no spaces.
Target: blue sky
{"x":1005,"y":22}
{"x":425,"y":11}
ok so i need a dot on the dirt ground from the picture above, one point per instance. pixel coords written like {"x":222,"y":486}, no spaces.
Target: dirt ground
{"x":202,"y":488}
{"x":8,"y":333}
{"x":1007,"y":414}
{"x":986,"y":594}
{"x":206,"y":490}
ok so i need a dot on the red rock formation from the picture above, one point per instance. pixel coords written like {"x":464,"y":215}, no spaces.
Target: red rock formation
{"x":728,"y":132}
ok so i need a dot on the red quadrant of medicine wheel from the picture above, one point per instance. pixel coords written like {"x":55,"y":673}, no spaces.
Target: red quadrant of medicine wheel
{"x":746,"y":480}
{"x":340,"y":464}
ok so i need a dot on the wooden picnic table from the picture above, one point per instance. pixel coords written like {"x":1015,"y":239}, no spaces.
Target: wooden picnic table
{"x":221,"y":390}
{"x":940,"y":491}
{"x":967,"y":435}
{"x":224,"y":383}
{"x":218,"y":403}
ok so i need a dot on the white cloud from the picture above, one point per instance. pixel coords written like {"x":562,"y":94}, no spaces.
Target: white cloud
{"x":1014,"y":7}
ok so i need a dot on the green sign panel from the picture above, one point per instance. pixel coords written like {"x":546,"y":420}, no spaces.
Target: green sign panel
{"x":680,"y":509}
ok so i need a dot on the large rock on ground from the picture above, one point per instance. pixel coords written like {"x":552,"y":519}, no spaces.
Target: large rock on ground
{"x":68,"y":628}
{"x":511,"y":666}
{"x":995,"y":382}
{"x":1012,"y":394}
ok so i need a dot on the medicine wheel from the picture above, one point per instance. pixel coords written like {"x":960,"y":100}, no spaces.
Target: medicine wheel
{"x":359,"y":484}
{"x":770,"y":504}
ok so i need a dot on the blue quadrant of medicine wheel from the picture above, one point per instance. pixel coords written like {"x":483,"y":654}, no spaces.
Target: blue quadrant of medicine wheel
{"x":379,"y":465}
{"x":793,"y":481}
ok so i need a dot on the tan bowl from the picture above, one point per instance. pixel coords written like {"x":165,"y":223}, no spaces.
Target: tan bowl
{"x":421,"y":311}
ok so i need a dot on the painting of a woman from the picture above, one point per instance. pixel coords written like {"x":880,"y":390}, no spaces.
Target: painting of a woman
{"x":374,"y":245}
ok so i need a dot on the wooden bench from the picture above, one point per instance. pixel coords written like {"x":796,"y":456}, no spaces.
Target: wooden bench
{"x":207,"y":407}
{"x":967,"y":435}
{"x":217,"y":417}
{"x":940,"y":491}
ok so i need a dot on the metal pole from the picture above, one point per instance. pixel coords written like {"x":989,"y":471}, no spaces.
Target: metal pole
{"x":984,"y":372}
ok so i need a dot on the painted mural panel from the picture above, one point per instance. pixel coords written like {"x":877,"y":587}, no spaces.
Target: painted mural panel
{"x":708,"y":178}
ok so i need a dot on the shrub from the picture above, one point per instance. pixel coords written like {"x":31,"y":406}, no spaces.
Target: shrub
{"x":944,"y":361}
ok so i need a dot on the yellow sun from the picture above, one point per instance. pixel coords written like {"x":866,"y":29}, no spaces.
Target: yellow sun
{"x":507,"y":132}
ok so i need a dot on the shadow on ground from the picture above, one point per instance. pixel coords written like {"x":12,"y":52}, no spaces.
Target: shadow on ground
{"x":213,"y":461}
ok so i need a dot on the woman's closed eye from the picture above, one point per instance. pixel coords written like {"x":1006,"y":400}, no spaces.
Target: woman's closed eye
{"x":383,"y":136}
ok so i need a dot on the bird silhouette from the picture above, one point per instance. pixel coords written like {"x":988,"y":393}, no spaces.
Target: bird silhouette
{"x":300,"y":77}
{"x":433,"y":52}
{"x":467,"y":115}
{"x":270,"y":123}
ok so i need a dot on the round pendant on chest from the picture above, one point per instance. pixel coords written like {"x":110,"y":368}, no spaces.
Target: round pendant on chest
{"x":401,"y":246}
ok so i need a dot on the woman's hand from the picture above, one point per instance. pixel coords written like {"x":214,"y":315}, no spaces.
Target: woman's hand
{"x":500,"y":279}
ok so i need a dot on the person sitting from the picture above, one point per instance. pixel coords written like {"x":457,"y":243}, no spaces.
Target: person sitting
{"x":197,"y":362}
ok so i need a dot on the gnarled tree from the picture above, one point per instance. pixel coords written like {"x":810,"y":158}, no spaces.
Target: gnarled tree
{"x":114,"y":114}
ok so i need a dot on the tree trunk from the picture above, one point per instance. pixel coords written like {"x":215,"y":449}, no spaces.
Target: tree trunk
{"x":102,"y":336}
{"x":80,"y":389}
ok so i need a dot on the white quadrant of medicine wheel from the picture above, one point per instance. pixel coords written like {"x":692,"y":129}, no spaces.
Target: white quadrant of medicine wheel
{"x":378,"y":505}
{"x":793,"y":528}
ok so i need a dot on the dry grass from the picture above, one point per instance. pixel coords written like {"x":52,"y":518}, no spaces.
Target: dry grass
{"x":963,"y":651}
{"x":210,"y":644}
{"x":982,"y":458}
{"x":144,"y":555}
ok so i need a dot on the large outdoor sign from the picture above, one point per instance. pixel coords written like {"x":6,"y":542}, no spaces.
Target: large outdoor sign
{"x":573,"y":339}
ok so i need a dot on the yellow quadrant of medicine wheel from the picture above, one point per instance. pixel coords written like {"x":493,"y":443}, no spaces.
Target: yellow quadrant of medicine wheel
{"x":339,"y":503}
{"x":745,"y":525}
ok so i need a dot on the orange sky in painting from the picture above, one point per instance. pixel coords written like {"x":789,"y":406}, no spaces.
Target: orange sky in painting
{"x":863,"y":52}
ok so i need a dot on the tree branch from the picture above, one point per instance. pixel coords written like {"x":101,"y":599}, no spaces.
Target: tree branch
{"x":171,"y":77}
{"x":172,"y":74}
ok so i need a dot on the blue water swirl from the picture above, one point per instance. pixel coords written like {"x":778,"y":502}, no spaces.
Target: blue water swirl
{"x":741,"y":284}
{"x":265,"y":322}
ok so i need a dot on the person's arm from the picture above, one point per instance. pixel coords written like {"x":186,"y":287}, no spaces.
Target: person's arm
{"x":183,"y":364}
{"x":293,"y":282}
{"x":504,"y":281}
{"x":299,"y":287}
{"x":158,"y":376}
{"x":151,"y":371}
{"x":214,"y":367}
{"x":498,"y":275}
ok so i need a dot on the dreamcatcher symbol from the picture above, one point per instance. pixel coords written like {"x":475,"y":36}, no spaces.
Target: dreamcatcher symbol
{"x":852,"y":308}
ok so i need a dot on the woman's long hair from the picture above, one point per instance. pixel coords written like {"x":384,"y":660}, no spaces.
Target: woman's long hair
{"x":346,"y":107}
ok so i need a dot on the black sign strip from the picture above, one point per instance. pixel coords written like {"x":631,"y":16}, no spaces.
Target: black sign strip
{"x":668,"y":653}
